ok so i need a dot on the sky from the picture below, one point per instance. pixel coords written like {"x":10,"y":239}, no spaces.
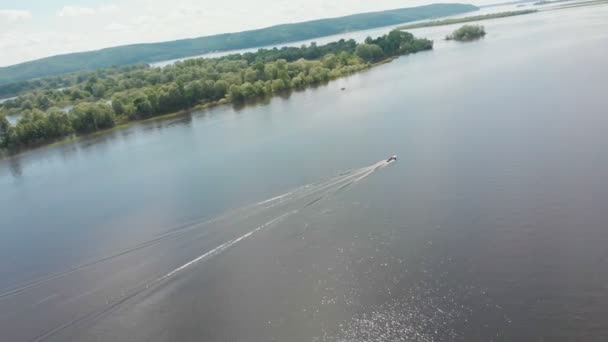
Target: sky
{"x":32,"y":29}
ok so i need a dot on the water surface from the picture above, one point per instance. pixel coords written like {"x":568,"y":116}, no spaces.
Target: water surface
{"x":491,"y":226}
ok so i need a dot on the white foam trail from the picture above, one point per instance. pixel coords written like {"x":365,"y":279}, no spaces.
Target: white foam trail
{"x":324,"y":187}
{"x":320,"y":190}
{"x":356,"y":176}
{"x":221,"y":248}
{"x":308,"y":189}
{"x":274,"y":198}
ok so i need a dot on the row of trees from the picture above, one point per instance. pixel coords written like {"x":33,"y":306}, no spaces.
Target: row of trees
{"x":96,"y":85}
{"x":101,"y":100}
{"x":63,"y":81}
{"x":36,"y":126}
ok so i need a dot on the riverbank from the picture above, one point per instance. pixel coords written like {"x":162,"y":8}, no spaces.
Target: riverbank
{"x":193,"y":84}
{"x":467,"y":19}
{"x":6,"y":153}
{"x":446,"y":231}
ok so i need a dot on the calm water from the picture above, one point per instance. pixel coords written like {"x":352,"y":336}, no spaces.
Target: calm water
{"x":7,"y":99}
{"x":356,"y":35}
{"x":490,"y":227}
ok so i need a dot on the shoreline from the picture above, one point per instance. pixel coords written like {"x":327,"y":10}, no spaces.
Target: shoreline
{"x":4,"y":153}
{"x":453,"y":21}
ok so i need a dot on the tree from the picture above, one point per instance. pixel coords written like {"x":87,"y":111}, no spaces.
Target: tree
{"x":5,"y":127}
{"x":98,"y":90}
{"x":298,"y":81}
{"x":251,"y":75}
{"x":118,"y":104}
{"x":143,"y":107}
{"x":319,"y":74}
{"x":193,"y":92}
{"x":394,"y":40}
{"x":27,"y":105}
{"x":35,"y":126}
{"x":330,"y":61}
{"x":58,"y":123}
{"x":235,"y":94}
{"x":467,"y":33}
{"x":170,"y":98}
{"x":220,"y":88}
{"x":44,"y":102}
{"x":78,"y":94}
{"x":259,"y":88}
{"x":278,"y":85}
{"x":89,"y":117}
{"x":270,"y":71}
{"x":369,"y":52}
{"x":248,"y":90}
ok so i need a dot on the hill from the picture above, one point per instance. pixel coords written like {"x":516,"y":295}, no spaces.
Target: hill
{"x":154,"y":52}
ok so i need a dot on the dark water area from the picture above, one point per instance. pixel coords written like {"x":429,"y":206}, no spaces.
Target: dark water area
{"x":282,"y":222}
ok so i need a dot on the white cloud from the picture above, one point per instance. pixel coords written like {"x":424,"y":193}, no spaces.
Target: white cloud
{"x":14,"y":15}
{"x":75,"y":11}
{"x":116,"y":27}
{"x":109,"y":9}
{"x":79,"y":11}
{"x":143,"y":19}
{"x":17,"y":46}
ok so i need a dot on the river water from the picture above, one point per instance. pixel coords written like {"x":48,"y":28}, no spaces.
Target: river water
{"x":359,"y":36}
{"x":282,"y":221}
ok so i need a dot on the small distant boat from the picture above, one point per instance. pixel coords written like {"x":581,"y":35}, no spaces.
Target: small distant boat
{"x":392,"y":158}
{"x":343,"y":89}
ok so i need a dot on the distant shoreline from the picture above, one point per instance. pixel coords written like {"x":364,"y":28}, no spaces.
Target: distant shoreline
{"x":278,"y":34}
{"x":51,"y":127}
{"x":126,"y":124}
{"x":578,"y":4}
{"x":466,"y":19}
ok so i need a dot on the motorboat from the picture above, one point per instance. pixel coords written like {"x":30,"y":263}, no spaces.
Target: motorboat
{"x":392,"y":158}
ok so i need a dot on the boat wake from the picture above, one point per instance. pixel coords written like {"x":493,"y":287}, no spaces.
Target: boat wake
{"x":231,"y":225}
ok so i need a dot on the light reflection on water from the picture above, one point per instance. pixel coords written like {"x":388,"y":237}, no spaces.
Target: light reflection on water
{"x":490,"y":226}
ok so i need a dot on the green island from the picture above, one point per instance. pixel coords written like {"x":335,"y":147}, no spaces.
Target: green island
{"x":466,"y":19}
{"x":278,"y":34}
{"x":467,"y":33}
{"x":106,"y":98}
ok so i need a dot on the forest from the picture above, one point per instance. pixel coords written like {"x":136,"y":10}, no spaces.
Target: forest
{"x":105,"y":98}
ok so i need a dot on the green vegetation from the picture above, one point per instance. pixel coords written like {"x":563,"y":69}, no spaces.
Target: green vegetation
{"x":101,"y":100}
{"x":58,"y":82}
{"x":466,"y":19}
{"x":147,"y":53}
{"x":467,"y":33}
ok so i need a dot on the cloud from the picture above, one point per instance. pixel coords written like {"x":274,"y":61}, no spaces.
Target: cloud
{"x":116,"y":27}
{"x":18,"y":46}
{"x":75,"y":11}
{"x":108,"y":9}
{"x":144,"y":19}
{"x":14,"y":15}
{"x":79,"y":11}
